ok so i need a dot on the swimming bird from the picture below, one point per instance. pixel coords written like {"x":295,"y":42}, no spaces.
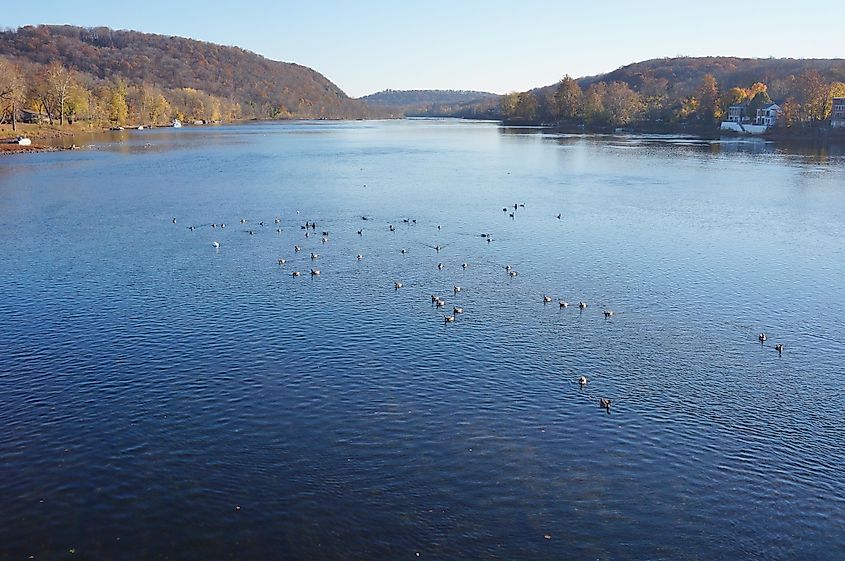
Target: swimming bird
{"x":251,"y":232}
{"x":440,"y":302}
{"x":456,"y":289}
{"x":277,"y":220}
{"x":296,"y":248}
{"x":604,"y":403}
{"x":282,"y":261}
{"x":779,"y":348}
{"x":306,"y":234}
{"x":222,"y":225}
{"x":361,"y":232}
{"x":434,"y":298}
{"x":243,"y":220}
{"x":762,"y":337}
{"x":563,"y":304}
{"x":191,"y":228}
{"x":440,"y":266}
{"x":547,"y":299}
{"x":279,"y":230}
{"x":438,"y":226}
{"x":391,"y":227}
{"x":608,"y":313}
{"x":295,"y":273}
{"x":324,"y":240}
{"x":359,"y":257}
{"x":448,"y":319}
{"x":505,"y":209}
{"x":508,"y":267}
{"x":464,"y":265}
{"x":457,"y":310}
{"x":582,"y":381}
{"x":315,"y":272}
{"x":213,"y":225}
{"x":512,"y":273}
{"x":325,"y":233}
{"x":558,"y":215}
{"x":174,"y":221}
{"x":511,"y":215}
{"x":403,"y":251}
{"x":216,"y":245}
{"x":261,"y":223}
{"x":397,"y":285}
{"x":314,"y":255}
{"x":582,"y":305}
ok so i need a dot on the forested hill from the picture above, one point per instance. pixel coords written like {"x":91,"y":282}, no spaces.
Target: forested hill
{"x":684,"y":74}
{"x":262,"y":88}
{"x":402,"y":98}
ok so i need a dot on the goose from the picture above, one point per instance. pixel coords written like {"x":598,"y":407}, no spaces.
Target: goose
{"x":174,"y":221}
{"x":608,"y":313}
{"x":762,"y":337}
{"x":505,"y":209}
{"x":277,"y":220}
{"x":563,"y":304}
{"x":508,"y":267}
{"x":558,"y":215}
{"x":457,"y":310}
{"x":489,"y":240}
{"x":604,"y":403}
{"x":261,"y":223}
{"x":324,"y":240}
{"x":222,"y":225}
{"x":448,"y":319}
{"x":315,"y":272}
{"x":464,"y":265}
{"x":403,"y":251}
{"x":252,"y":232}
{"x":434,"y":298}
{"x":514,"y":206}
{"x":779,"y":348}
{"x":325,"y":233}
{"x":359,"y":257}
{"x":438,"y":226}
{"x":306,"y":234}
{"x":296,"y":248}
{"x":213,"y":225}
{"x":511,"y":215}
{"x":437,"y":248}
{"x":391,"y":227}
{"x":582,"y":381}
{"x":440,"y":266}
{"x":243,"y":220}
{"x":582,"y":305}
{"x":521,"y":205}
{"x":295,"y":274}
{"x":191,"y":228}
{"x":282,"y":261}
{"x":397,"y":285}
{"x":439,"y":303}
{"x":547,"y":299}
{"x":314,"y":256}
{"x":361,"y":232}
{"x":216,"y":245}
{"x":279,"y":230}
{"x":512,"y":273}
{"x":456,"y":289}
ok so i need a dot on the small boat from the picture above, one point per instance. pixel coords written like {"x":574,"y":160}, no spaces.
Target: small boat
{"x":177,"y":124}
{"x":22,"y":141}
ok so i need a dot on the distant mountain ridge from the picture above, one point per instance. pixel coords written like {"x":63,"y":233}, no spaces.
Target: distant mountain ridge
{"x":264,"y":88}
{"x":403,"y":98}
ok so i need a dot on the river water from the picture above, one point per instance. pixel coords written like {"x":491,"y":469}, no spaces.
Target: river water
{"x":161,"y":398}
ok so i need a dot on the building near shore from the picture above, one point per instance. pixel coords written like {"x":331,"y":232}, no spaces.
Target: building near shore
{"x":837,"y":114}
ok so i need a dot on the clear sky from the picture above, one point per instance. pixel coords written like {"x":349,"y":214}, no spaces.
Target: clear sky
{"x":494,"y":45}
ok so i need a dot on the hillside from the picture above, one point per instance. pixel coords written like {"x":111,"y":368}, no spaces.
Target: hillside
{"x":263,"y":88}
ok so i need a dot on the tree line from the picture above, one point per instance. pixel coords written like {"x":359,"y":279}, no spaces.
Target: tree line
{"x":58,"y":95}
{"x":805,"y":99}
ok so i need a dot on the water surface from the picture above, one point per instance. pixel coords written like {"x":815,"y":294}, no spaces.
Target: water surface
{"x":163,"y":399}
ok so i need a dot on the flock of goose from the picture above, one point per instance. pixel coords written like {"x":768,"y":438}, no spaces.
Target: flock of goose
{"x":309,"y":229}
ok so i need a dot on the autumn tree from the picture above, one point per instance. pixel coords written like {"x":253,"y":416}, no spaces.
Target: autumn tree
{"x":593,"y":103}
{"x":526,"y":106}
{"x":622,"y":104}
{"x":118,"y":111}
{"x":59,"y":82}
{"x":507,"y":104}
{"x":12,"y":90}
{"x":813,"y":95}
{"x":707,"y":95}
{"x":567,"y":99}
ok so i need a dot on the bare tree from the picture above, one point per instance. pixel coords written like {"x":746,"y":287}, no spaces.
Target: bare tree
{"x":12,"y":90}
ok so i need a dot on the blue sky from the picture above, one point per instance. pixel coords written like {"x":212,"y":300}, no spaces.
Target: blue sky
{"x":497,"y":46}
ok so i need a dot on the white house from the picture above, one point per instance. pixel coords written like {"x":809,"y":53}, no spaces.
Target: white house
{"x":837,"y":115}
{"x":768,"y":115}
